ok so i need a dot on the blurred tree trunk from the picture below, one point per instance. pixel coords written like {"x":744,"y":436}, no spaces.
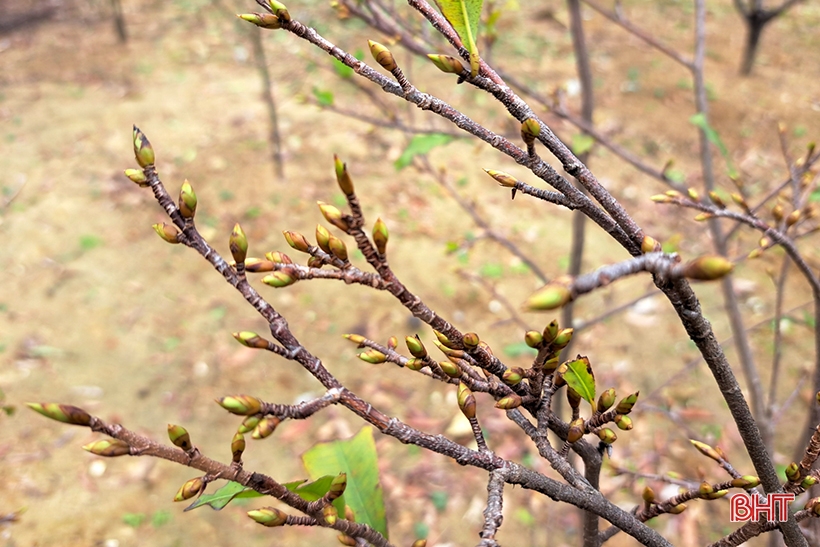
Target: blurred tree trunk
{"x":119,"y":21}
{"x":756,"y":17}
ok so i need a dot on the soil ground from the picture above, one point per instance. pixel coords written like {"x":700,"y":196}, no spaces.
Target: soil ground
{"x":96,"y":311}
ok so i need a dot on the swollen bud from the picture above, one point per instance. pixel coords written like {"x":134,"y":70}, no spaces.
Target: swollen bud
{"x":237,"y":447}
{"x":466,"y":401}
{"x":343,"y":177}
{"x":706,"y":450}
{"x":530,"y":130}
{"x":333,"y":215}
{"x":280,"y":10}
{"x":447,"y":64}
{"x":450,"y":369}
{"x":137,"y":176}
{"x":187,"y":200}
{"x":649,"y":245}
{"x":62,"y":413}
{"x":167,"y":233}
{"x":470,"y":340}
{"x":337,"y":486}
{"x":380,"y":236}
{"x":265,"y":427}
{"x":551,"y":331}
{"x":624,"y":423}
{"x":607,"y":435}
{"x":143,"y":151}
{"x":279,"y":279}
{"x":606,"y":400}
{"x":180,"y":437}
{"x":110,"y":448}
{"x":355,"y":338}
{"x":190,"y":489}
{"x":504,"y":179}
{"x":533,"y":339}
{"x":338,"y":248}
{"x":648,"y":495}
{"x":372,"y":356}
{"x":576,"y":430}
{"x":382,"y":56}
{"x":746,"y":482}
{"x":259,"y":265}
{"x":792,"y":472}
{"x":241,"y":405}
{"x":509,"y":402}
{"x":238,"y":244}
{"x":708,"y":268}
{"x":513,"y":376}
{"x":626,"y":404}
{"x":705,"y":489}
{"x":562,"y":339}
{"x":549,"y":297}
{"x":808,"y":482}
{"x":296,"y":240}
{"x":248,"y":424}
{"x":415,"y":347}
{"x":276,"y":257}
{"x":262,"y":20}
{"x":250,"y":339}
{"x":678,"y":509}
{"x":323,"y":238}
{"x":269,"y":516}
{"x":330,"y":514}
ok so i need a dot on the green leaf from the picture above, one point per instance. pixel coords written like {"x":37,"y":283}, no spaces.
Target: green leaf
{"x":420,"y":144}
{"x":324,"y":98}
{"x":312,"y":491}
{"x":133,"y":519}
{"x":342,"y":69}
{"x":358,"y":458}
{"x":699,"y":120}
{"x":492,"y":270}
{"x":582,"y":143}
{"x":222,"y":497}
{"x":160,"y":518}
{"x":439,"y":499}
{"x":579,"y":377}
{"x":89,"y":241}
{"x":464,"y":15}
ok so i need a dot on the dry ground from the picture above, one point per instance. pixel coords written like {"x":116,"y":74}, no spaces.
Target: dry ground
{"x":95,"y":310}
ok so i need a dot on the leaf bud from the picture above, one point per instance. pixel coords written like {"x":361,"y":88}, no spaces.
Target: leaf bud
{"x":415,"y":347}
{"x":382,"y":56}
{"x":420,"y":543}
{"x":296,"y":240}
{"x":650,"y":245}
{"x":606,"y":400}
{"x":470,"y":341}
{"x":190,"y":489}
{"x":167,"y":233}
{"x":143,"y":151}
{"x":330,"y":514}
{"x":716,"y":495}
{"x":345,"y":539}
{"x":372,"y":356}
{"x":716,"y":199}
{"x":624,"y":423}
{"x":137,"y":176}
{"x":573,"y":398}
{"x":241,"y":405}
{"x":180,"y":437}
{"x":110,"y":448}
{"x":504,"y":179}
{"x":277,"y":258}
{"x":777,"y":212}
{"x":706,"y":450}
{"x":793,"y":218}
{"x":607,"y":435}
{"x":333,"y":215}
{"x":265,"y":427}
{"x":338,"y":248}
{"x":323,"y":238}
{"x":648,"y":495}
{"x":343,"y":177}
{"x":279,"y":279}
{"x":414,"y":364}
{"x":450,"y":369}
{"x":793,"y":472}
{"x":380,"y":236}
{"x":626,"y":404}
{"x":237,"y":447}
{"x":576,"y":430}
{"x":280,"y":10}
{"x":269,"y":516}
{"x":563,"y":339}
{"x":693,"y":194}
{"x":678,"y":509}
{"x":248,"y":424}
{"x":250,"y":339}
{"x":258,"y":265}
{"x":808,"y":482}
{"x":533,"y":339}
{"x":530,"y":130}
{"x":355,"y":338}
{"x":337,"y":486}
{"x":746,"y":482}
{"x":466,"y":401}
{"x":446,"y":63}
{"x":513,"y":376}
{"x":238,"y":244}
{"x":551,"y":331}
{"x":705,"y":489}
{"x":549,"y":297}
{"x":262,"y":20}
{"x":446,"y":342}
{"x":62,"y":413}
{"x":392,"y":343}
{"x":187,"y":200}
{"x":509,"y":402}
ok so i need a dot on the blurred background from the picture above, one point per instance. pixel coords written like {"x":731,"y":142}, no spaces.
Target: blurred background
{"x":97,"y":311}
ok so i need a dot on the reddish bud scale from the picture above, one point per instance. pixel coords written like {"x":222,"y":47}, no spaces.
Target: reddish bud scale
{"x":62,"y":413}
{"x":278,"y":258}
{"x":109,"y":448}
{"x":241,"y":405}
{"x":266,"y":427}
{"x":296,"y":240}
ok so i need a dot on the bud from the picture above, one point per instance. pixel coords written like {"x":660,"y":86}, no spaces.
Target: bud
{"x":649,"y":245}
{"x":269,"y":516}
{"x":551,"y":331}
{"x":250,"y":339}
{"x":279,"y":279}
{"x":237,"y":447}
{"x":558,"y":376}
{"x":678,"y":509}
{"x":530,"y":130}
{"x":746,"y":482}
{"x":187,"y":200}
{"x":661,"y":198}
{"x":277,"y":258}
{"x":576,"y":430}
{"x":624,"y":423}
{"x":372,"y":356}
{"x":143,"y":151}
{"x":258,"y":265}
{"x":420,"y":543}
{"x":450,"y":369}
{"x":323,"y":238}
{"x":706,"y":450}
{"x":338,"y":248}
{"x":607,"y":435}
{"x":563,"y":339}
{"x":693,"y":194}
{"x":248,"y":424}
{"x":296,"y":240}
{"x":504,"y":179}
{"x":180,"y":437}
{"x":280,"y":10}
{"x":446,"y":342}
{"x":382,"y":56}
{"x":708,"y":268}
{"x":792,"y":472}
{"x":167,"y":233}
{"x":110,"y":448}
{"x":551,"y":364}
{"x":648,"y":495}
{"x":190,"y":489}
{"x":466,"y":401}
{"x":716,"y":495}
{"x":700,"y":217}
{"x":470,"y":341}
{"x":808,"y":482}
{"x":626,"y":404}
{"x":777,"y":212}
{"x":62,"y":413}
{"x":415,"y":347}
{"x":380,"y":236}
{"x":573,"y":398}
{"x":262,"y":20}
{"x":337,"y":486}
{"x":265,"y":427}
{"x":333,"y":215}
{"x":606,"y":400}
{"x":392,"y":343}
{"x":238,"y":244}
{"x":513,"y":376}
{"x":740,"y":200}
{"x":716,"y":199}
{"x":414,"y":364}
{"x":793,"y":217}
{"x":355,"y":338}
{"x":447,"y":64}
{"x":330,"y":514}
{"x":241,"y":405}
{"x":345,"y":539}
{"x":509,"y":402}
{"x":813,"y":505}
{"x":137,"y":176}
{"x":343,"y":177}
{"x":705,"y":489}
{"x":533,"y":339}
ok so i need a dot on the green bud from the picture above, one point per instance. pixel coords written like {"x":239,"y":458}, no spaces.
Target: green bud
{"x":649,"y":245}
{"x":551,"y":331}
{"x":551,"y":364}
{"x":746,"y":482}
{"x":277,"y":258}
{"x":337,"y":486}
{"x":143,"y":151}
{"x":137,"y":176}
{"x":624,"y":423}
{"x":466,"y":400}
{"x":280,"y":10}
{"x":444,"y":340}
{"x":269,"y":516}
{"x":576,"y":430}
{"x":333,"y":215}
{"x":708,"y":268}
{"x":392,"y":343}
{"x":248,"y":424}
{"x":323,"y":238}
{"x":190,"y":489}
{"x":573,"y":398}
{"x":513,"y":376}
{"x":237,"y":447}
{"x":813,"y":505}
{"x":550,"y":297}
{"x":533,"y":339}
{"x":705,"y":489}
{"x":315,"y":262}
{"x":296,"y":240}
{"x":558,"y":376}
{"x":62,"y":413}
{"x":238,"y":244}
{"x":355,"y":338}
{"x":330,"y":514}
{"x":167,"y":233}
{"x":187,"y":200}
{"x":110,"y":448}
{"x":179,"y":436}
{"x":279,"y":279}
{"x":415,"y":347}
{"x":808,"y":482}
{"x":678,"y":509}
{"x":265,"y":427}
{"x":420,"y":543}
{"x":372,"y":356}
{"x":706,"y":450}
{"x":716,"y":199}
{"x":562,"y":340}
{"x":241,"y":405}
{"x":338,"y":248}
{"x":414,"y":364}
{"x":504,"y":179}
{"x":509,"y":402}
{"x":530,"y":130}
{"x":626,"y":404}
{"x":262,"y":20}
{"x":716,"y":495}
{"x":380,"y":236}
{"x":470,"y":340}
{"x":250,"y":339}
{"x":382,"y":56}
{"x":450,"y":369}
{"x":447,"y":64}
{"x":258,"y":265}
{"x":345,"y":539}
{"x":793,"y":472}
{"x":343,"y":177}
{"x":606,"y":400}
